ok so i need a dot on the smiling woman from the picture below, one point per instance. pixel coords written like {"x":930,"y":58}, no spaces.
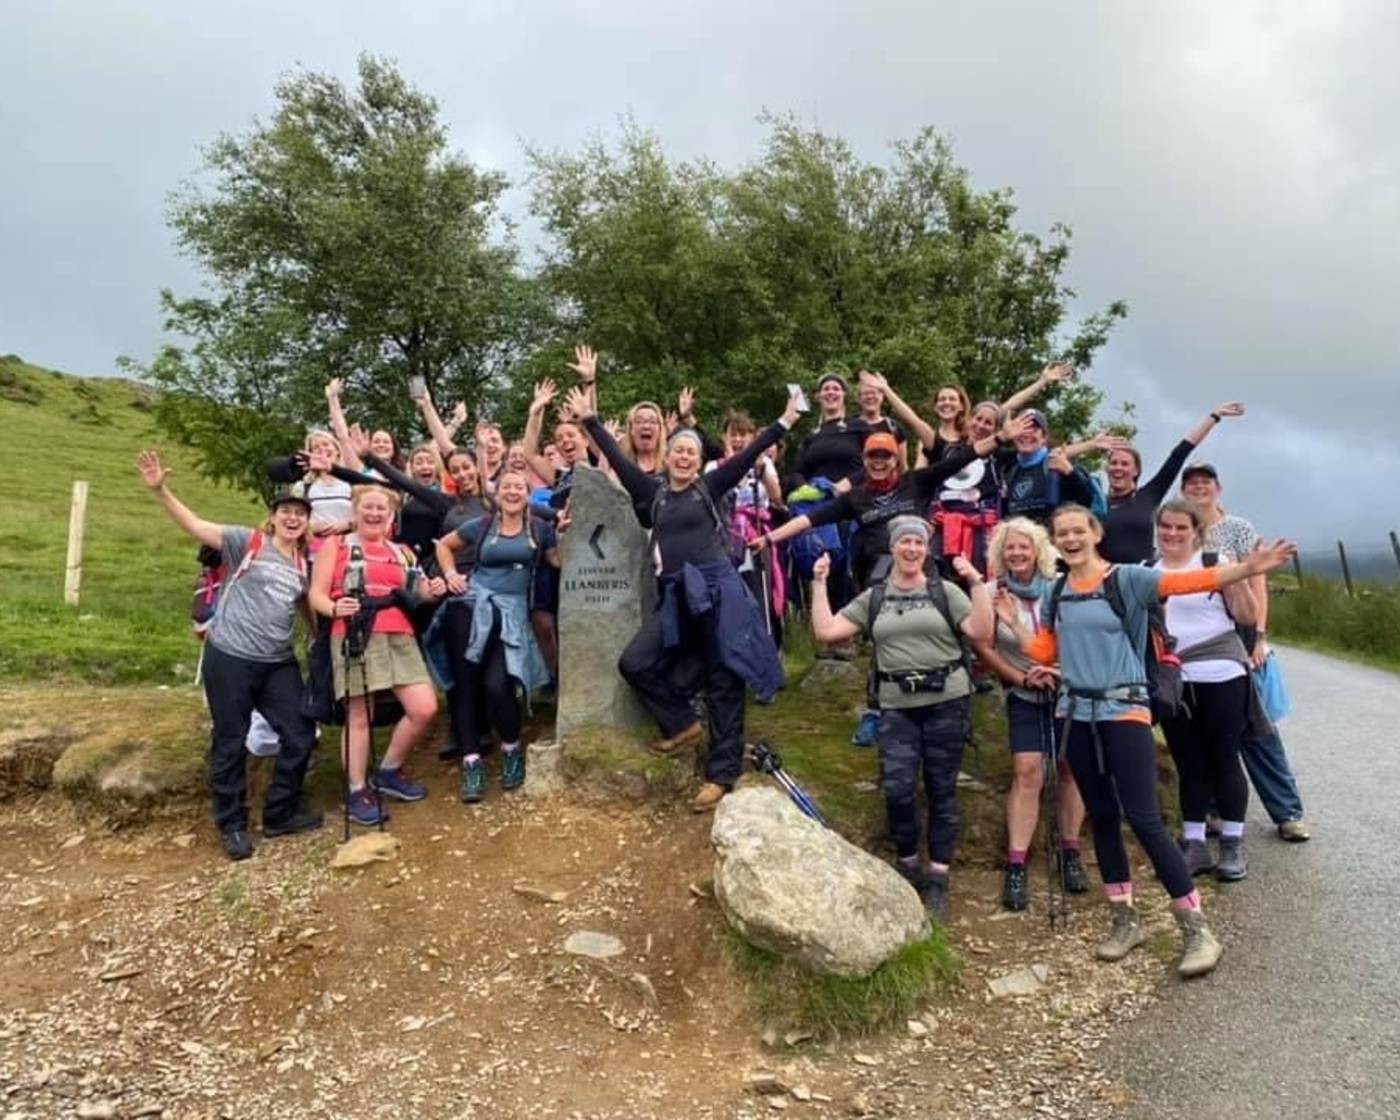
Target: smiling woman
{"x":249,"y":662}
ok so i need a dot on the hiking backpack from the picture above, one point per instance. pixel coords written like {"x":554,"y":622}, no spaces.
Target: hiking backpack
{"x":1166,"y":690}
{"x":938,"y":596}
{"x":805,"y":549}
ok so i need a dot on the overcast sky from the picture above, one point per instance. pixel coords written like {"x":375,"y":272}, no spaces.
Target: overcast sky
{"x":1232,"y":170}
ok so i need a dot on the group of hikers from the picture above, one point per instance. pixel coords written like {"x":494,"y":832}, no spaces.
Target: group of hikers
{"x":964,"y":550}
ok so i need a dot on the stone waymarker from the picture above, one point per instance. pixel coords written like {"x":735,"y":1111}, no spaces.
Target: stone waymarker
{"x":604,"y":587}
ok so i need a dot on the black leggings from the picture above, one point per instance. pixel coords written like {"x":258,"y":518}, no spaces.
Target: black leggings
{"x":483,"y":693}
{"x":1130,"y":779}
{"x":1205,"y":743}
{"x":653,"y":671}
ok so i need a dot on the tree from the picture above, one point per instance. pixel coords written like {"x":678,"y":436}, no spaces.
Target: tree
{"x":806,"y":260}
{"x":341,"y":238}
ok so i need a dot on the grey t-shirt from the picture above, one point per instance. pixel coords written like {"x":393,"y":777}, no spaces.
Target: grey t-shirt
{"x":910,"y":635}
{"x":257,"y":611}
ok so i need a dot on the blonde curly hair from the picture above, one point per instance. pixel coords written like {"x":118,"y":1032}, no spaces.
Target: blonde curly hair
{"x":1045,"y":553}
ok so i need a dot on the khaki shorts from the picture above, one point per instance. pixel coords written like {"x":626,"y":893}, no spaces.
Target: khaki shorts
{"x":390,"y":660}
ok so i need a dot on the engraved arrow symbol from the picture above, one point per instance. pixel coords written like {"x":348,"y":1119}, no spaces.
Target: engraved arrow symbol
{"x":593,"y":538}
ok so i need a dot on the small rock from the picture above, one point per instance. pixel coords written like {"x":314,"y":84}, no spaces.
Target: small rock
{"x":370,"y":847}
{"x":184,"y":840}
{"x":865,"y":1060}
{"x":587,"y":943}
{"x":642,"y":982}
{"x":539,"y":894}
{"x":777,"y":1104}
{"x":1022,"y":982}
{"x":801,"y":1093}
{"x":916,"y":1029}
{"x":766,"y":1084}
{"x":74,"y":841}
{"x":796,"y":1038}
{"x":97,"y":1110}
{"x":828,"y":672}
{"x":967,"y":781}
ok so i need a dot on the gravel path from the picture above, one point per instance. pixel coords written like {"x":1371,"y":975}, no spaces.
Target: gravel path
{"x":1303,"y":1016}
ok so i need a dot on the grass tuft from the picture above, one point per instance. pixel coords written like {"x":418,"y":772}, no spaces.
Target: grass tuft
{"x":1321,"y":615}
{"x":787,"y":995}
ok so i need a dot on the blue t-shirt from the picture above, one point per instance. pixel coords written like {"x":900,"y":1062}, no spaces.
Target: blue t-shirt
{"x":1097,"y":650}
{"x":505,"y":565}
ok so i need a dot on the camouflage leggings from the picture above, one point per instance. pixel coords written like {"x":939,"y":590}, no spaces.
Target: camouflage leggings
{"x":931,"y":737}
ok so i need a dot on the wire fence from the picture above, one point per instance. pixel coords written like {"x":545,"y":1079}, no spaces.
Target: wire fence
{"x":1354,"y":564}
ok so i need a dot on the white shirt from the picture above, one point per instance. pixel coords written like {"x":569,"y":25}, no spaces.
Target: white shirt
{"x":1192,"y":619}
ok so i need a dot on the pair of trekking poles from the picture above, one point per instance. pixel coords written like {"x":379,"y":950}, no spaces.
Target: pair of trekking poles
{"x":352,"y":648}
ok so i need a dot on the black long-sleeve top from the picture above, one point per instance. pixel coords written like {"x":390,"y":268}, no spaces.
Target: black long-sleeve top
{"x":1128,"y":527}
{"x":685,"y":532}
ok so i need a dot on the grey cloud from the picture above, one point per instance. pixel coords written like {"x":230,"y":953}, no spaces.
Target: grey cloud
{"x":1233,"y":170}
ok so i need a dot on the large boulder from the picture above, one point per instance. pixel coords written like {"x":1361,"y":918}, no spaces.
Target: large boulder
{"x":791,"y":886}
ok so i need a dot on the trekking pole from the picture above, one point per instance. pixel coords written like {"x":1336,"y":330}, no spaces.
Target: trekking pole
{"x":763,"y":586}
{"x":767,"y":761}
{"x":369,"y":732}
{"x":1057,"y":900}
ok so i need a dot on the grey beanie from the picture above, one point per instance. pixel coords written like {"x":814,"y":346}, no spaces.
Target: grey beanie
{"x":905,"y":526}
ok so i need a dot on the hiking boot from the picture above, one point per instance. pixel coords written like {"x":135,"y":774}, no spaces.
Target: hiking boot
{"x":473,"y":781}
{"x":1125,"y":935}
{"x":365,"y":808}
{"x":1199,"y":861}
{"x":1233,"y":864}
{"x":1295,"y":832}
{"x":935,"y":897}
{"x":1200,"y":951}
{"x":693,"y":735}
{"x":708,"y":797}
{"x":1072,"y":873}
{"x":396,"y":784}
{"x":864,"y":734}
{"x":1016,"y":888}
{"x":513,"y":768}
{"x":237,"y":844}
{"x":297,"y":822}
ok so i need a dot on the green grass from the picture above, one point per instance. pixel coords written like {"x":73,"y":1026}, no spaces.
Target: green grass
{"x":132,"y":623}
{"x":1320,"y":615}
{"x":790,"y":997}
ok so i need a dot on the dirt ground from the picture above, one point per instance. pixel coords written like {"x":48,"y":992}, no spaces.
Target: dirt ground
{"x":141,"y":974}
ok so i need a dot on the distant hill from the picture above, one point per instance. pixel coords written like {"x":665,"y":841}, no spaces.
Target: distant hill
{"x":133,"y":621}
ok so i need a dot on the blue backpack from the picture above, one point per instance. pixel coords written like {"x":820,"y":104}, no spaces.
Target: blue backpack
{"x":804,"y":549}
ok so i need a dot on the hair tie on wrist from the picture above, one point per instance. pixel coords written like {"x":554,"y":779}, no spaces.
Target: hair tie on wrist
{"x":1215,"y":416}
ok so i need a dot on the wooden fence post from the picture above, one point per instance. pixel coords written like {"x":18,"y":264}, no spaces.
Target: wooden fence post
{"x":1395,"y":546}
{"x":77,"y":517}
{"x":1346,"y":569}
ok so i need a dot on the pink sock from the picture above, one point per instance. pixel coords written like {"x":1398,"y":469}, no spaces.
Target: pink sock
{"x":1119,"y":892}
{"x":1016,"y":857}
{"x":1190,"y":901}
{"x":1070,"y":843}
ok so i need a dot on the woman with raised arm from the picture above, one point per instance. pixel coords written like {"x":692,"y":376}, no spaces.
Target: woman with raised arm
{"x":249,"y":662}
{"x":703,"y":608}
{"x":1095,"y":621}
{"x":381,"y":441}
{"x":444,"y":435}
{"x":487,"y":646}
{"x":1207,"y":734}
{"x":916,"y":624}
{"x":569,"y":442}
{"x":1128,"y":524}
{"x":368,"y":585}
{"x":1021,"y":561}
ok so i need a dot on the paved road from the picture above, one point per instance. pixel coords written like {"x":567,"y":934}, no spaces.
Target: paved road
{"x":1302,"y":1019}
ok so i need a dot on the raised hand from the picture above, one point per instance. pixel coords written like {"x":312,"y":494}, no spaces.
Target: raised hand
{"x":585,"y":364}
{"x":1020,"y":426}
{"x":577,"y":404}
{"x":359,"y":441}
{"x":545,"y":392}
{"x":1059,"y":461}
{"x":964,"y":567}
{"x":875,"y":380}
{"x":318,"y":461}
{"x":672,"y":423}
{"x":1057,"y":371}
{"x":459,"y":415}
{"x":822,"y":568}
{"x":791,"y":414}
{"x":153,"y":472}
{"x":333,"y":388}
{"x":1109,"y":441}
{"x":1270,"y":557}
{"x":1229,"y":409}
{"x":685,"y":404}
{"x":614,"y":429}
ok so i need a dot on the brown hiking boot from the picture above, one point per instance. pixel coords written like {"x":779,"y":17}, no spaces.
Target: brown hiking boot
{"x":690,"y":736}
{"x":1200,"y":951}
{"x":1295,"y":832}
{"x":1125,"y":936}
{"x":709,"y":796}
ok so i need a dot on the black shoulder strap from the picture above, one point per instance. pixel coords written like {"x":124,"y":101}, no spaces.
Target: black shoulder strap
{"x":877,"y":601}
{"x":707,"y":499}
{"x":939,"y":597}
{"x":1055,"y":596}
{"x":1114,"y":594}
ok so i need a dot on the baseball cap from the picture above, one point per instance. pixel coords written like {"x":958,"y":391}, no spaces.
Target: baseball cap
{"x":881,"y":441}
{"x":1199,"y":468}
{"x":289,"y":497}
{"x":1037,"y":418}
{"x":831,"y":375}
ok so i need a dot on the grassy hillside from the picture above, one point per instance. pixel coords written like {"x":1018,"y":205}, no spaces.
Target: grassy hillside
{"x":138,"y":569}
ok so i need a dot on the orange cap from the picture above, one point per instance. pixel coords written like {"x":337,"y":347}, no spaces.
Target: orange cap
{"x":881,"y":441}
